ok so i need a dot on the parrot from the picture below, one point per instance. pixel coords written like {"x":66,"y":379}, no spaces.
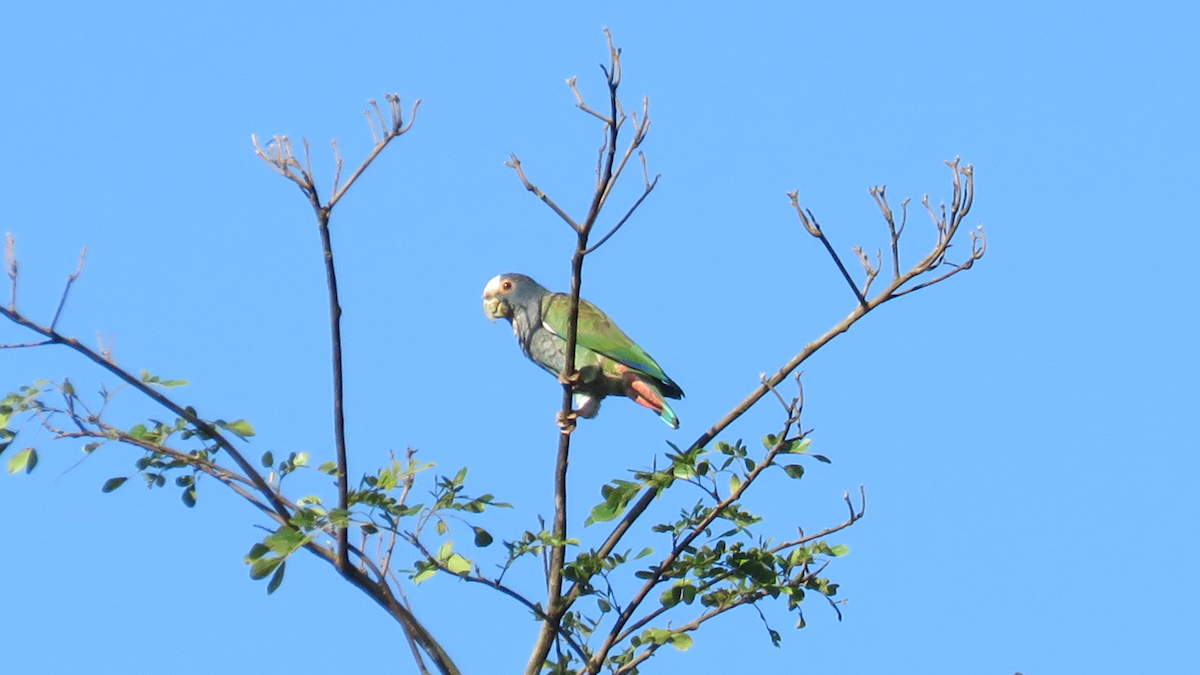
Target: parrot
{"x":609,"y":363}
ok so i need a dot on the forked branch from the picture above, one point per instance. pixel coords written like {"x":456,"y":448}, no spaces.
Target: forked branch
{"x":947,"y":222}
{"x":609,"y":167}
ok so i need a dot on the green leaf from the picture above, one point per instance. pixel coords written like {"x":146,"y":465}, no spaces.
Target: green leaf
{"x":681,"y":641}
{"x":256,"y":551}
{"x":839,"y":550}
{"x":301,"y":458}
{"x":769,"y":441}
{"x":138,"y":431}
{"x":24,"y":460}
{"x":285,"y":540}
{"x":604,"y":605}
{"x":189,"y":497}
{"x":444,"y":552}
{"x":259,"y":569}
{"x":276,"y":579}
{"x":775,"y":637}
{"x":241,"y":428}
{"x":268,"y":459}
{"x":670,"y":597}
{"x":797,"y":447}
{"x":113,"y":483}
{"x":794,"y":470}
{"x":458,"y":564}
{"x":482,"y":537}
{"x":441,"y":527}
{"x":822,"y":458}
{"x":645,"y":552}
{"x":734,"y":483}
{"x":329,"y":468}
{"x":424,"y":575}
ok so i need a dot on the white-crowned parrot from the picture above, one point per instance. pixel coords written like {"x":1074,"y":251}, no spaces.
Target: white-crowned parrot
{"x":608,"y":362}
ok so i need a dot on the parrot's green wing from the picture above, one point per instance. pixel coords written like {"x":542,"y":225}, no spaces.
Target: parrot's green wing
{"x":598,"y":333}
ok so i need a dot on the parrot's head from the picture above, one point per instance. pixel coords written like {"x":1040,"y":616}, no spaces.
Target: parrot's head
{"x":507,"y":293}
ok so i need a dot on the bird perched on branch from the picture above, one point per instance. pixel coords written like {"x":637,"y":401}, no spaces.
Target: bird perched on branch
{"x":607,"y":361}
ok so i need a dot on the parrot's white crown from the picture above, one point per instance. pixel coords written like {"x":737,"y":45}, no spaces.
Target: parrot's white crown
{"x":493,"y":285}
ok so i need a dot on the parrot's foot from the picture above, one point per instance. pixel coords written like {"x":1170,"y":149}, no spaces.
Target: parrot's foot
{"x":573,"y":380}
{"x":566,"y":422}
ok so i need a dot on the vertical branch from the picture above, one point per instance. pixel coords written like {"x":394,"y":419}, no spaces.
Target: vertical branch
{"x":608,"y":171}
{"x":278,"y":155}
{"x":339,"y":415}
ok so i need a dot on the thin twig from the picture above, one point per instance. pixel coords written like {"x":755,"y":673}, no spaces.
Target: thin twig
{"x":814,"y":228}
{"x":67,"y":289}
{"x":10,"y":267}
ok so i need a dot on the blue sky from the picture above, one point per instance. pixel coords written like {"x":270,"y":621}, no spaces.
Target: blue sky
{"x":1024,"y":431}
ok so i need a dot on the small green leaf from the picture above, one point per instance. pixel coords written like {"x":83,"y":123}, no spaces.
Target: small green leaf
{"x":329,"y":468}
{"x":775,"y":637}
{"x":839,"y":550}
{"x":441,"y":527}
{"x":256,"y":551}
{"x":301,"y":458}
{"x":794,"y":470}
{"x":734,"y":483}
{"x":645,"y":552}
{"x":458,"y":564}
{"x":769,"y":441}
{"x":113,"y":483}
{"x":241,"y":428}
{"x":268,"y":459}
{"x":822,"y":458}
{"x":670,"y":597}
{"x":138,"y":431}
{"x":276,"y":579}
{"x":424,"y":575}
{"x":189,"y":497}
{"x":259,"y":569}
{"x":797,"y":447}
{"x":285,"y":540}
{"x":681,"y":641}
{"x":482,"y":537}
{"x":604,"y":605}
{"x":444,"y":552}
{"x":24,"y":460}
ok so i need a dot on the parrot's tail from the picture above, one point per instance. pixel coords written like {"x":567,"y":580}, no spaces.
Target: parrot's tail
{"x":644,"y":393}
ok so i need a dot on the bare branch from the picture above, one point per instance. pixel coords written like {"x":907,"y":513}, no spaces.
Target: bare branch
{"x":67,"y":289}
{"x":516,"y":165}
{"x":398,"y":127}
{"x":22,"y":345}
{"x":645,"y":193}
{"x":10,"y":267}
{"x":814,"y":228}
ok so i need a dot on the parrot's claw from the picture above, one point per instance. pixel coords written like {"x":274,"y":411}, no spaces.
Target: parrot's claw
{"x":566,"y":422}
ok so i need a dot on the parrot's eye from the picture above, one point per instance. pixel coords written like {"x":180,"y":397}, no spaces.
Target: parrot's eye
{"x":506,"y":286}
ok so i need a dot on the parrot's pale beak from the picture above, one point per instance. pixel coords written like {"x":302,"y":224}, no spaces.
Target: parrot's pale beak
{"x":493,"y":307}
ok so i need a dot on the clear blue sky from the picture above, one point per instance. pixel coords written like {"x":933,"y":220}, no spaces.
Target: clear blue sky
{"x":1026,"y":432}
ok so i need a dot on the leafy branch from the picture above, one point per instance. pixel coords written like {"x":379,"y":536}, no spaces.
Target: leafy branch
{"x":298,"y":521}
{"x":628,"y":500}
